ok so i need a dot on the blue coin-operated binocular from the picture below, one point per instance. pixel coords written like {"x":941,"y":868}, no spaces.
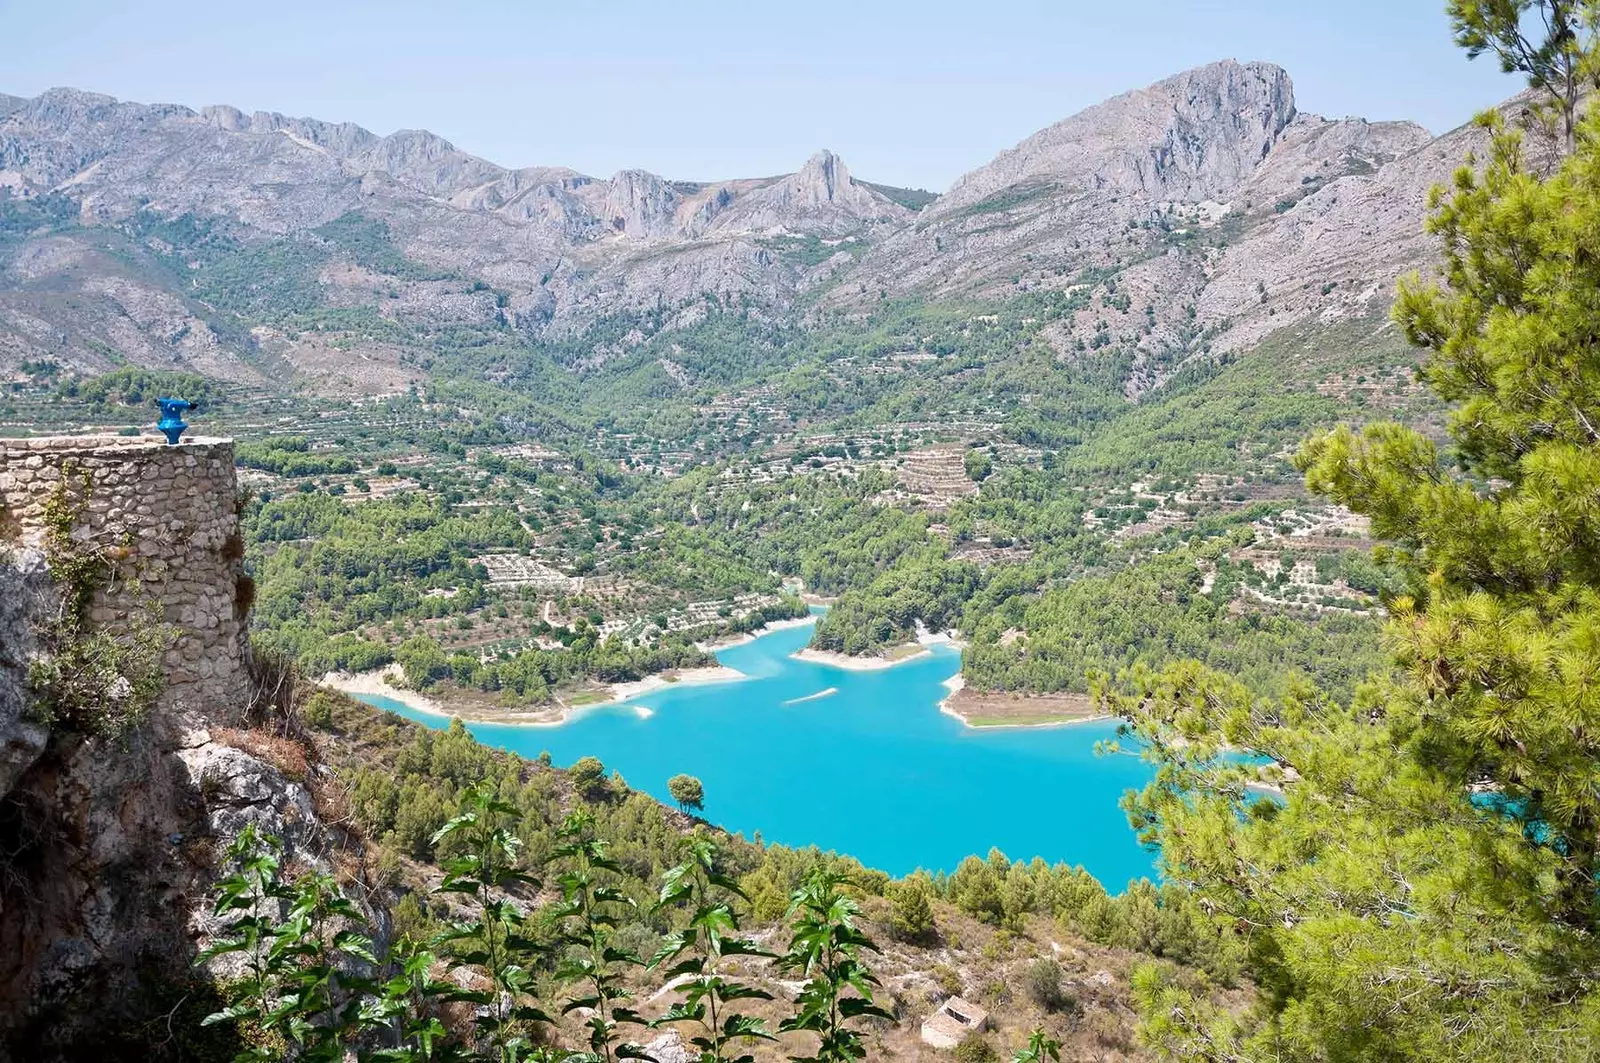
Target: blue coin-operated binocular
{"x":172,"y":423}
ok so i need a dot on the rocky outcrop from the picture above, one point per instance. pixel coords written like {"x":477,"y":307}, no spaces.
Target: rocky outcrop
{"x":640,"y":205}
{"x":423,"y":161}
{"x":109,"y":844}
{"x":1083,"y":192}
{"x":25,"y":600}
{"x":1313,"y":151}
{"x":821,"y":199}
{"x":1195,"y":136}
{"x":344,"y":139}
{"x":1220,"y":212}
{"x":110,"y":849}
{"x":242,"y":790}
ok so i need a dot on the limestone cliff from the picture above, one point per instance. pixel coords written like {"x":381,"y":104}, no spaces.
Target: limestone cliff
{"x":822,"y":199}
{"x":1195,"y":136}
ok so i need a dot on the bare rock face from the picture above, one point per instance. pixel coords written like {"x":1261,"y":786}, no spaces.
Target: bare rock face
{"x":1313,"y":151}
{"x":112,"y":849}
{"x":821,"y":199}
{"x":1219,"y":211}
{"x":344,"y":139}
{"x":1070,"y":193}
{"x":427,"y":163}
{"x":1191,"y":137}
{"x":25,"y":598}
{"x":640,"y":205}
{"x":1336,"y":252}
{"x":242,"y":790}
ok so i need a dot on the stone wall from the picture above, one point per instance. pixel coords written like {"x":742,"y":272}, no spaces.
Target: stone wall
{"x":167,"y":516}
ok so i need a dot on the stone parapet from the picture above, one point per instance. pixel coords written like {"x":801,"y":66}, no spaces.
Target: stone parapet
{"x":168,"y":519}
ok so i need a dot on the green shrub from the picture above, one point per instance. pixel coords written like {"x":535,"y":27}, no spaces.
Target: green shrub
{"x":911,"y":912}
{"x":975,"y":1048}
{"x":1041,"y":980}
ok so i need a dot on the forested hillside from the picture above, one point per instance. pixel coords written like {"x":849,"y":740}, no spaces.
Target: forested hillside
{"x":484,"y":417}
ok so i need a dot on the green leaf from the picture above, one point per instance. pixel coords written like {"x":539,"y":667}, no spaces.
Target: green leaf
{"x":857,"y":1007}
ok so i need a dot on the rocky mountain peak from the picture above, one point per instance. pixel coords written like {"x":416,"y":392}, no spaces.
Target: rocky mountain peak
{"x":1129,"y":184}
{"x":1194,"y":136}
{"x":343,"y":139}
{"x":67,"y":109}
{"x":820,"y":198}
{"x":427,"y":162}
{"x":823,"y":177}
{"x":640,"y":205}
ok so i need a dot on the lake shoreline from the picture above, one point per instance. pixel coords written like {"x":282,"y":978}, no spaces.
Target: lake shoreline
{"x":711,"y":673}
{"x":723,"y":642}
{"x":977,"y":710}
{"x":915,"y":650}
{"x":375,"y":684}
{"x":851,"y":663}
{"x":982,"y":710}
{"x":832,"y":733}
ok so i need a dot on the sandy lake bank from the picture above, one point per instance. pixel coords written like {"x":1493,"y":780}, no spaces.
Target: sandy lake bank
{"x":473,"y":710}
{"x":984,"y":708}
{"x":857,"y":664}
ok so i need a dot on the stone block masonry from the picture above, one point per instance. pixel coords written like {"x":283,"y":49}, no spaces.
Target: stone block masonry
{"x":168,"y":518}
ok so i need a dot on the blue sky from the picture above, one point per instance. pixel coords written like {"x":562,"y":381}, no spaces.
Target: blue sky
{"x":910,"y":93}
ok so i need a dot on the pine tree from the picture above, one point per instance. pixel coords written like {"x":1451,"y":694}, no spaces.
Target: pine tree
{"x":1557,"y":56}
{"x":688,"y":791}
{"x":1426,"y":887}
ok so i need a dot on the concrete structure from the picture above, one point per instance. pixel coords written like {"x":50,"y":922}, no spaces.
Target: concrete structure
{"x":955,"y":1019}
{"x":167,"y":519}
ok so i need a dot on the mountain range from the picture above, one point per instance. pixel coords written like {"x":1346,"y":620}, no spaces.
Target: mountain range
{"x":1204,"y":212}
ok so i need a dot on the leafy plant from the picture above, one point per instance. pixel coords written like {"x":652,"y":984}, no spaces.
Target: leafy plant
{"x":1041,"y":1047}
{"x":497,"y":942}
{"x":298,"y":990}
{"x":826,"y":948}
{"x":406,"y":1007}
{"x":698,"y":951}
{"x":586,"y":919}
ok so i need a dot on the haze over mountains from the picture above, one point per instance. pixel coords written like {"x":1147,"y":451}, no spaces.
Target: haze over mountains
{"x":1205,"y":210}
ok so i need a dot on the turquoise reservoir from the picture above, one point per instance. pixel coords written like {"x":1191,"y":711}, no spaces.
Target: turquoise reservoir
{"x":872,"y":769}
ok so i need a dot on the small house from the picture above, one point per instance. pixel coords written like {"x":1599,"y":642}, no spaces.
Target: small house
{"x":949,"y":1025}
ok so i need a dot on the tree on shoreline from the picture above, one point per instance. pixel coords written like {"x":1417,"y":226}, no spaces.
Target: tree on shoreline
{"x":688,"y":792}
